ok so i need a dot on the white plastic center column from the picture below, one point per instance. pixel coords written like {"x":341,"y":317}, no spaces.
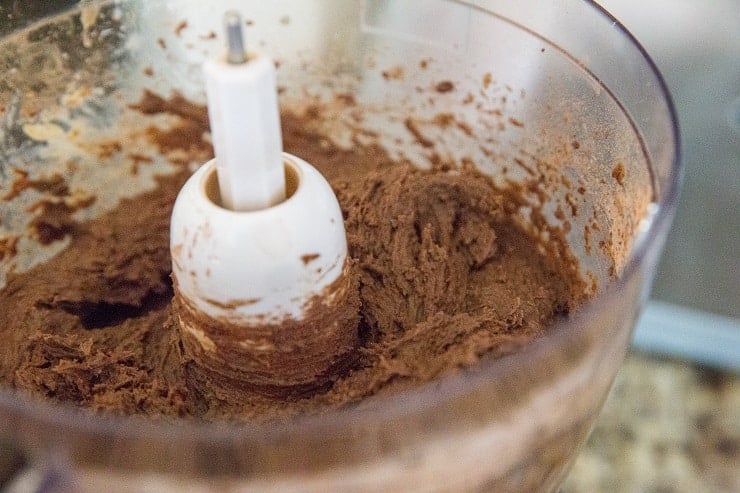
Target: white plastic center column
{"x":253,"y":256}
{"x":245,"y":125}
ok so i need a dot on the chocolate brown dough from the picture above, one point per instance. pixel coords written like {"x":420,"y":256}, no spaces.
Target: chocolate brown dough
{"x":446,"y":278}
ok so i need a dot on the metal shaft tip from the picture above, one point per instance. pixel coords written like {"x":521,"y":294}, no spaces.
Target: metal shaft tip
{"x":234,"y":37}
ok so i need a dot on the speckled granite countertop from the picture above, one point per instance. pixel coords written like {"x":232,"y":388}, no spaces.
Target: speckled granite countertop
{"x":667,"y":426}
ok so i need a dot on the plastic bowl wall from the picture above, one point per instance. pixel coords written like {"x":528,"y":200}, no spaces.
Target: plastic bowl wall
{"x":555,"y":98}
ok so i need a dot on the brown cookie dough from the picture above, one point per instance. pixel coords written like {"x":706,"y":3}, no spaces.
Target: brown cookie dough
{"x":446,"y":278}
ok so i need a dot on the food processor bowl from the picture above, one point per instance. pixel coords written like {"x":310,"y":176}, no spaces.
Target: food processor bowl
{"x":554,"y":101}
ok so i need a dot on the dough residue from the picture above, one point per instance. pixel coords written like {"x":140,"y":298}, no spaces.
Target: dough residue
{"x":446,"y":278}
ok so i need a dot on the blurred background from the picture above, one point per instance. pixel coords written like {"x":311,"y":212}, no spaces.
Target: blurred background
{"x":672,"y":421}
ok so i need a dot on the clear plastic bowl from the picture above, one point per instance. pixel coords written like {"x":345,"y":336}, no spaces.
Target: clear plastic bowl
{"x":558,"y":96}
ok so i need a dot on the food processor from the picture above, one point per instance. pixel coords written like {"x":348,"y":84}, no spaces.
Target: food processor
{"x":557,"y":102}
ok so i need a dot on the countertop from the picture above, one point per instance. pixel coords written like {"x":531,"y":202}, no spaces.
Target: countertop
{"x":667,"y":427}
